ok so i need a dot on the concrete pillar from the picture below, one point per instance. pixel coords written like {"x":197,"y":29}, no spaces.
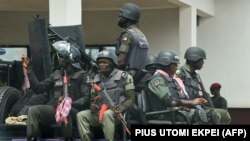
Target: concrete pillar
{"x":65,"y":12}
{"x":187,"y":29}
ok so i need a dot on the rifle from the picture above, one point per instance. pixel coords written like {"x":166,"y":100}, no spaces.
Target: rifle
{"x":204,"y":92}
{"x":64,"y":106}
{"x":65,"y":84}
{"x":85,"y":59}
{"x":111,"y":105}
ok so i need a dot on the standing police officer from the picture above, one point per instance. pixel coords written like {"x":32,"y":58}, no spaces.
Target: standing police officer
{"x":44,"y":115}
{"x":132,"y":43}
{"x":120,"y":88}
{"x":194,"y":61}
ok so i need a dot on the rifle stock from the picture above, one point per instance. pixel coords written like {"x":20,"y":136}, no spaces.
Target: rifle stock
{"x":204,"y":92}
{"x":111,"y":105}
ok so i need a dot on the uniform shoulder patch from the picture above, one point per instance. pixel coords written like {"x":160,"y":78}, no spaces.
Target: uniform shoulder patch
{"x":156,"y":82}
{"x":124,"y":74}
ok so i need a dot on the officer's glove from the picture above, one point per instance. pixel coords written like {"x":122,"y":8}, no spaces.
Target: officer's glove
{"x":119,"y":109}
{"x":94,"y":107}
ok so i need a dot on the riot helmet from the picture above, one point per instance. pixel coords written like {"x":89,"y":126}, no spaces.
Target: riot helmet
{"x":194,"y":54}
{"x":110,"y":54}
{"x":130,"y":11}
{"x":150,"y":61}
{"x":68,"y":52}
{"x":165,"y":58}
{"x":75,"y":57}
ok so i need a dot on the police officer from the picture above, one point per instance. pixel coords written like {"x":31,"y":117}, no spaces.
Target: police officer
{"x":118,"y":85}
{"x":218,"y":100}
{"x":132,"y":44}
{"x":78,"y":91}
{"x":146,"y":73}
{"x":165,"y":89}
{"x":194,"y":61}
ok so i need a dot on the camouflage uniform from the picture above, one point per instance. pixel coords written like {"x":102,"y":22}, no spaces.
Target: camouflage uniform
{"x":160,"y":87}
{"x":89,"y":118}
{"x":193,"y":89}
{"x":134,"y":43}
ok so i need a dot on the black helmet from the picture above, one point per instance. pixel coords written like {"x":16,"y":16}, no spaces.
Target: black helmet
{"x":165,"y":58}
{"x":75,"y":57}
{"x":150,"y":60}
{"x":110,"y":54}
{"x":131,"y":11}
{"x":194,"y":54}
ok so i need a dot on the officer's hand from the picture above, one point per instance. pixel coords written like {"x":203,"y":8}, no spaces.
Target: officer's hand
{"x":119,"y":109}
{"x":199,"y":101}
{"x":25,"y":62}
{"x":94,"y":107}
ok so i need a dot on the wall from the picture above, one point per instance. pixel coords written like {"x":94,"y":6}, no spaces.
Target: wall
{"x":225,"y":37}
{"x":14,"y":27}
{"x":160,"y":26}
{"x":100,"y":27}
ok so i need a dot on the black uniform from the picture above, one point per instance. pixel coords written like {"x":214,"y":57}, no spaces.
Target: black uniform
{"x":44,"y":115}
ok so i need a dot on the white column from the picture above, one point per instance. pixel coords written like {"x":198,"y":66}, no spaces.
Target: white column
{"x":187,"y":29}
{"x":65,"y":12}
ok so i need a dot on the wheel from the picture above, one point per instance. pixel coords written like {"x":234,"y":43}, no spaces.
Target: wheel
{"x":8,"y":97}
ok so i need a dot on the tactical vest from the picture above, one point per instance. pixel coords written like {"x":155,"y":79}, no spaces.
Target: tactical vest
{"x":113,"y":86}
{"x":191,"y":84}
{"x":175,"y":92}
{"x":74,"y":90}
{"x":139,"y":50}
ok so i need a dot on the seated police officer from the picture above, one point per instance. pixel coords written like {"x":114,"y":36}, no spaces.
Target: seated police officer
{"x":195,"y":57}
{"x":165,"y":89}
{"x":120,"y":88}
{"x":42,"y":116}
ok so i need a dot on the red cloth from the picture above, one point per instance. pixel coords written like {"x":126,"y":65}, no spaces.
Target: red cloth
{"x":177,"y":79}
{"x":63,"y":110}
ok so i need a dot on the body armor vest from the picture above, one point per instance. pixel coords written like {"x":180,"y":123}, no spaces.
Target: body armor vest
{"x":174,"y":90}
{"x":73,"y":85}
{"x":113,"y":86}
{"x":139,"y":50}
{"x":191,"y":84}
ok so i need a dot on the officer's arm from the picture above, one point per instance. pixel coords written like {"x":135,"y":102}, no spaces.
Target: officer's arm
{"x":125,"y":44}
{"x":129,"y":92}
{"x":40,"y":87}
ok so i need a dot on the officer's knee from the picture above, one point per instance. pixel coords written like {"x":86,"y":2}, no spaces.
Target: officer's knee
{"x":81,"y":115}
{"x":108,"y":114}
{"x":33,"y":110}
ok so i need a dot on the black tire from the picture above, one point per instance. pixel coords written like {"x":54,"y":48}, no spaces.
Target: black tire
{"x":8,"y":97}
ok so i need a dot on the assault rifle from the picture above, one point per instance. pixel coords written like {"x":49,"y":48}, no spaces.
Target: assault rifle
{"x":65,"y":84}
{"x":111,"y":105}
{"x":85,"y":59}
{"x":64,"y":105}
{"x":204,"y":92}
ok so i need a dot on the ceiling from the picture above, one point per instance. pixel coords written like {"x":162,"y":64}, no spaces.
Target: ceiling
{"x":43,"y":5}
